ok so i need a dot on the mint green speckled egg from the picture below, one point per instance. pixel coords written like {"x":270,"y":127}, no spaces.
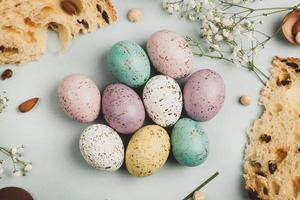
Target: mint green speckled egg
{"x":189,"y":142}
{"x":129,"y":63}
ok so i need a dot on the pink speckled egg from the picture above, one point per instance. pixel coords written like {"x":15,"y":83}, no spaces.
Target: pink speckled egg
{"x":204,"y":94}
{"x":170,"y":54}
{"x":122,"y":108}
{"x":79,"y":98}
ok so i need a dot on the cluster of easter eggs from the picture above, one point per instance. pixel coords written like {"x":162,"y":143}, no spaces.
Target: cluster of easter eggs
{"x":162,"y":100}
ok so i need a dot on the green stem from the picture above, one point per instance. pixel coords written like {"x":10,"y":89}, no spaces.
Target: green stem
{"x":261,"y":72}
{"x":258,"y":76}
{"x":4,"y":150}
{"x":260,"y":9}
{"x":202,"y":185}
{"x":269,"y":13}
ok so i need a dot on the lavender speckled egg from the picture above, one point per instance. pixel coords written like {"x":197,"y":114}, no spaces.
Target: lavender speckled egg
{"x":79,"y":98}
{"x":122,"y":108}
{"x":170,"y":54}
{"x":102,"y":147}
{"x":163,"y":100}
{"x":204,"y":94}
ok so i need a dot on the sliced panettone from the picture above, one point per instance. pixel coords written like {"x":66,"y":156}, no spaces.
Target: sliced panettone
{"x":272,"y":155}
{"x":24,"y":24}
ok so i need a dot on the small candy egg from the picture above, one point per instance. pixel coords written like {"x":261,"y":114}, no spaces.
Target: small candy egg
{"x":79,"y":98}
{"x":129,"y":63}
{"x":102,"y":147}
{"x":204,"y":95}
{"x":189,"y":142}
{"x":170,"y":54}
{"x":147,"y":151}
{"x":163,"y":100}
{"x":122,"y":108}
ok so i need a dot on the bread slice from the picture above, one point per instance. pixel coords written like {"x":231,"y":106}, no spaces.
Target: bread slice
{"x":272,"y":155}
{"x":24,"y":24}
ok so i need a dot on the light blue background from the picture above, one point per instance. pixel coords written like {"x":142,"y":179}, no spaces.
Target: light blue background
{"x":59,"y":172}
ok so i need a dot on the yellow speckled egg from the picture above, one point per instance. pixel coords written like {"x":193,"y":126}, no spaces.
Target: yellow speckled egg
{"x":147,"y":151}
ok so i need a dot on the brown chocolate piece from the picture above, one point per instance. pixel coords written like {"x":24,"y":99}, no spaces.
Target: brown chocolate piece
{"x":69,"y":7}
{"x":292,"y":65}
{"x":84,"y":23}
{"x":285,"y":82}
{"x":265,"y":138}
{"x":14,"y":193}
{"x":272,"y":166}
{"x":7,"y":74}
{"x":105,"y":17}
{"x":253,"y":195}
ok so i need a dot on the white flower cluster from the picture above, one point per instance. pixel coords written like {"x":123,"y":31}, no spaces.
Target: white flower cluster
{"x":3,"y":102}
{"x":224,"y":32}
{"x":20,"y":167}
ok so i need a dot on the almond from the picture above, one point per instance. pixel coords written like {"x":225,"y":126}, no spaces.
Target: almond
{"x":28,"y":105}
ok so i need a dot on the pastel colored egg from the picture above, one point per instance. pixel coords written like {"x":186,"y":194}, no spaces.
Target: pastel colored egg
{"x":102,"y":147}
{"x":122,"y":108}
{"x":129,"y":63}
{"x":162,"y":98}
{"x":204,"y":95}
{"x":79,"y":98}
{"x":147,"y":151}
{"x":189,"y":142}
{"x":170,"y":54}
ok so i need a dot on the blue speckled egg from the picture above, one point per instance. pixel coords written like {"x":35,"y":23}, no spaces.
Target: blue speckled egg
{"x":189,"y":142}
{"x":129,"y":63}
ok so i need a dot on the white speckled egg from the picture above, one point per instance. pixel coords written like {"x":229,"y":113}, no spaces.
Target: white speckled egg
{"x":102,"y":147}
{"x":163,"y":100}
{"x":79,"y":98}
{"x":170,"y":54}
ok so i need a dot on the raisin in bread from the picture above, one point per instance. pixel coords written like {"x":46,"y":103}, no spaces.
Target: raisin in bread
{"x":24,"y":24}
{"x":272,"y":155}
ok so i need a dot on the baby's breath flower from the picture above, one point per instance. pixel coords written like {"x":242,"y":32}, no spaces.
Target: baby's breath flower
{"x":226,"y":26}
{"x":170,"y":9}
{"x":219,"y":38}
{"x":227,"y":21}
{"x":1,"y":170}
{"x":14,"y":150}
{"x":17,"y":173}
{"x":3,"y":102}
{"x":20,"y":167}
{"x":28,"y":167}
{"x":226,"y":33}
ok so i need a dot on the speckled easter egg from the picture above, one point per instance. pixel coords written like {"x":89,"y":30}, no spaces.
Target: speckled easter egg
{"x":79,"y":98}
{"x":170,"y":54}
{"x":147,"y":151}
{"x":189,"y":142}
{"x":102,"y":147}
{"x":204,"y":94}
{"x":129,"y":63}
{"x":162,"y":98}
{"x":122,"y":108}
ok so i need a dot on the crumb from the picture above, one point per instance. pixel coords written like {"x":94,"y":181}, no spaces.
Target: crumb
{"x":198,"y":196}
{"x":134,"y":15}
{"x":245,"y":100}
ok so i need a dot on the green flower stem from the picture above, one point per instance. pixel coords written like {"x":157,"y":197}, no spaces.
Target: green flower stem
{"x":202,"y":185}
{"x":251,"y":67}
{"x":4,"y":150}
